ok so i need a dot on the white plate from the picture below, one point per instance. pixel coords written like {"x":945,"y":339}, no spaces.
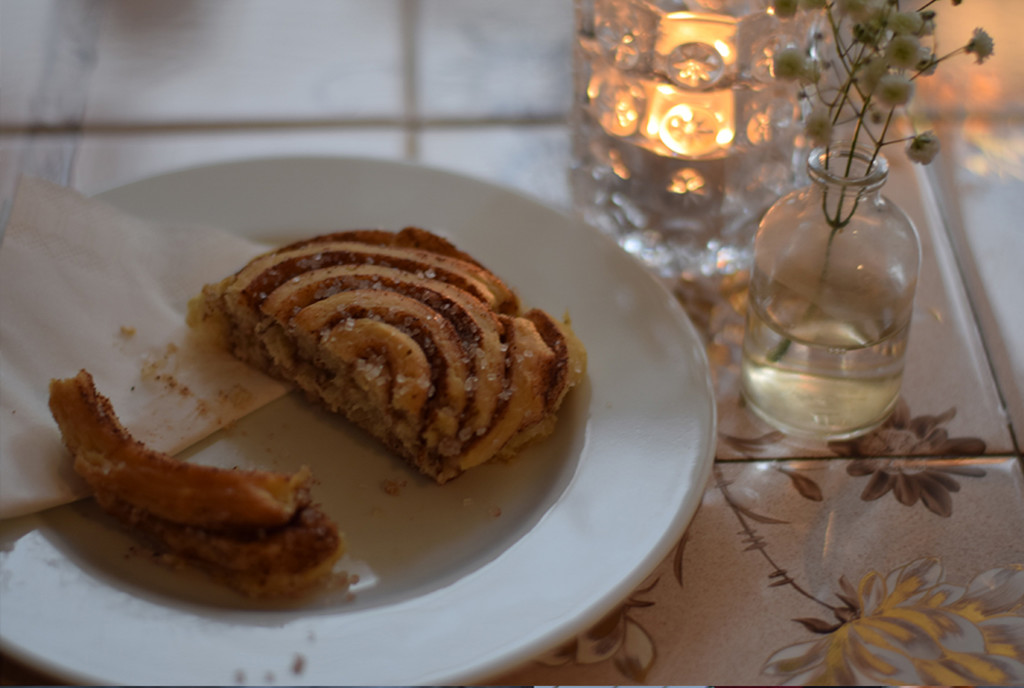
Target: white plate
{"x":458,"y":582}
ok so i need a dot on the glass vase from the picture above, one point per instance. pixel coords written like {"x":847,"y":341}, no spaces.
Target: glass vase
{"x":830,"y":302}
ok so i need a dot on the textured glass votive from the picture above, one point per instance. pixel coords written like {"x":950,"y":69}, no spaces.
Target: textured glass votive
{"x":682,"y":137}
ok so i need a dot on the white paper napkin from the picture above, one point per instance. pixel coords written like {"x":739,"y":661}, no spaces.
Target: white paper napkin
{"x":85,"y":285}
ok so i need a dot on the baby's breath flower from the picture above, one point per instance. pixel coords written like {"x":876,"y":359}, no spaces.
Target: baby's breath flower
{"x":928,"y":28}
{"x":981,"y":45}
{"x":869,"y":33}
{"x":870,"y":73}
{"x":894,"y":89}
{"x":790,"y":64}
{"x":877,"y":52}
{"x":906,"y":23}
{"x":902,"y":51}
{"x":818,"y":125}
{"x":927,"y":61}
{"x":859,"y":10}
{"x":812,"y":72}
{"x":786,"y":8}
{"x":923,"y":148}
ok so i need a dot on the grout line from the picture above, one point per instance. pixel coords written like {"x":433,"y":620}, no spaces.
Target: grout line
{"x":412,"y":123}
{"x":822,"y":458}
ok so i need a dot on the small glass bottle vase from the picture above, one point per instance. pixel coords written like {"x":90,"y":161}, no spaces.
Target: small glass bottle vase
{"x":830,"y":302}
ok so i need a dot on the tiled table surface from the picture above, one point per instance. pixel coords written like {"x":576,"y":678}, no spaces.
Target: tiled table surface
{"x":95,"y":93}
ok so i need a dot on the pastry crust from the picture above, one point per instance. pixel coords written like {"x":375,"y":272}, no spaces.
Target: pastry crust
{"x":407,"y":336}
{"x":255,"y":530}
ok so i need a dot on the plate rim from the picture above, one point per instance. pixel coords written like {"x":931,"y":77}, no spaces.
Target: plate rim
{"x":684,"y":512}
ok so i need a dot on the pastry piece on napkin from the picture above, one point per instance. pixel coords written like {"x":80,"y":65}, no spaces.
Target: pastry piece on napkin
{"x":257,"y":531}
{"x":85,"y":285}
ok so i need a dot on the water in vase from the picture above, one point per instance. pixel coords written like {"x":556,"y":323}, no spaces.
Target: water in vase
{"x":825,"y":378}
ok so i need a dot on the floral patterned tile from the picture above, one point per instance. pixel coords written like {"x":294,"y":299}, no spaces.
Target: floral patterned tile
{"x":491,"y":59}
{"x":826,"y":573}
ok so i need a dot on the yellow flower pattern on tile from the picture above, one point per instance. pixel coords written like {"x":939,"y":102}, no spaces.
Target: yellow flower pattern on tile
{"x":912,"y":627}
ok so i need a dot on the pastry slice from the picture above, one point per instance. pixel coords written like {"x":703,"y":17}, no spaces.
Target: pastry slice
{"x":257,"y":531}
{"x":405,"y":335}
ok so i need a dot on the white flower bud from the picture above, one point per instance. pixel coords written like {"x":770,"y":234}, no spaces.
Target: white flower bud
{"x":869,"y":74}
{"x":894,"y":89}
{"x":927,"y":61}
{"x":785,"y":8}
{"x":981,"y":44}
{"x":790,"y":64}
{"x":818,"y":125}
{"x":859,"y":10}
{"x":812,"y":72}
{"x":903,"y":51}
{"x":906,"y":23}
{"x":923,"y":148}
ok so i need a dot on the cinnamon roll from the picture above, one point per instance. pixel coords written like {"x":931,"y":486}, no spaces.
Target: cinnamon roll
{"x":407,"y":336}
{"x":256,"y":531}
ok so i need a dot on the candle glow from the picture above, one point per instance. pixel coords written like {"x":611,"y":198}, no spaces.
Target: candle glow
{"x":683,"y":113}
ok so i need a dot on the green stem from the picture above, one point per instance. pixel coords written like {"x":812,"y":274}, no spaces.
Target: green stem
{"x":881,"y":139}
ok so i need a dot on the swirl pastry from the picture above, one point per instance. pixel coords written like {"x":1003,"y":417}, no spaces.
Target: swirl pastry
{"x":405,"y":335}
{"x":257,"y":531}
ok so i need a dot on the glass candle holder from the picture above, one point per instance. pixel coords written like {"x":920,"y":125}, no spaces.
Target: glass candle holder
{"x":681,"y":135}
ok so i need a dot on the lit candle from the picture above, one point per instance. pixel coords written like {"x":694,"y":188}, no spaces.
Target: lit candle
{"x":686,"y":112}
{"x":681,"y":138}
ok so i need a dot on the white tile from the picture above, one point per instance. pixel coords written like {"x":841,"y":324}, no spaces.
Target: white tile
{"x":532,"y":160}
{"x":247,"y":60}
{"x":22,"y":58}
{"x":106,"y":161}
{"x":486,"y":58}
{"x":46,"y":56}
{"x":989,"y":179}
